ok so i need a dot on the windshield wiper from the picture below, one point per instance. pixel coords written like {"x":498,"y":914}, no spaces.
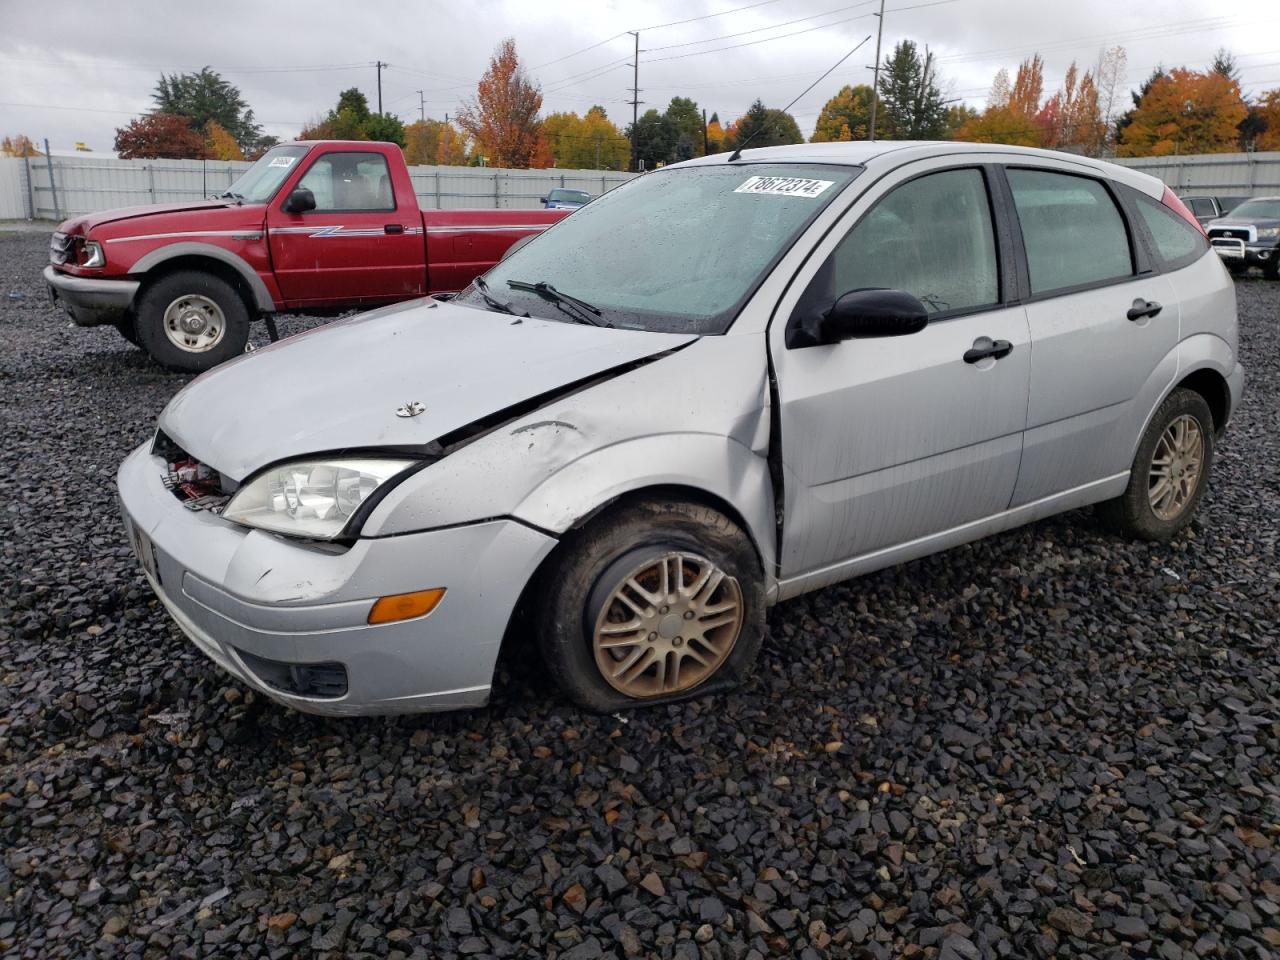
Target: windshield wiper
{"x":493,"y":301}
{"x":591,"y":314}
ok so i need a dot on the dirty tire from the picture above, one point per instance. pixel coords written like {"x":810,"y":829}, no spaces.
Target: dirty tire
{"x":1272,"y":269}
{"x":150,"y":322}
{"x":596,"y":558}
{"x":1131,"y":513}
{"x":127,"y":329}
{"x":1237,"y":269}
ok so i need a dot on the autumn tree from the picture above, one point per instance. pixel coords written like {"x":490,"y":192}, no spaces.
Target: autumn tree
{"x":1109,"y":78}
{"x":590,"y":142}
{"x":1072,"y":118}
{"x":160,"y":135}
{"x":1185,"y":112}
{"x":715,"y":134}
{"x":1266,"y":112}
{"x":18,"y":146}
{"x":204,"y":98}
{"x":764,"y":127}
{"x":451,"y":150}
{"x":845,"y":116}
{"x":1012,"y":109}
{"x":221,"y":145}
{"x":434,"y":142}
{"x":502,"y":118}
{"x":958,"y":114}
{"x":911,"y":106}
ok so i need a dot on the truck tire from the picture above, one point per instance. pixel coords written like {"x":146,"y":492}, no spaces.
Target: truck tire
{"x":1271,"y":270}
{"x":190,"y":321}
{"x":656,"y":602}
{"x":125,"y":326}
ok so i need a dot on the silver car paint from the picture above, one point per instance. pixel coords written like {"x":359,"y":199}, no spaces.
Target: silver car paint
{"x":905,"y":471}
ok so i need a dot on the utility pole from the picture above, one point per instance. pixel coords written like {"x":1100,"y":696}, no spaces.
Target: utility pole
{"x":380,"y":66}
{"x":875,"y":82}
{"x":635,"y":98}
{"x":705,"y":146}
{"x":422,"y":107}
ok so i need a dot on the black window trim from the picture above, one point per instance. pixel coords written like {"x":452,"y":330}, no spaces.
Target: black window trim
{"x":1139,"y":261}
{"x":1133,"y":198}
{"x":1006,"y":279}
{"x":395,"y":204}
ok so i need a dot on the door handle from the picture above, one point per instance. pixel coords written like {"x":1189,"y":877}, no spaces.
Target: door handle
{"x":985,"y":347}
{"x":1143,"y":308}
{"x":393,"y":228}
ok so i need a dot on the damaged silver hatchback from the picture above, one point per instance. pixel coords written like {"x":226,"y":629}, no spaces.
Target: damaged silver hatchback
{"x":719,"y":386}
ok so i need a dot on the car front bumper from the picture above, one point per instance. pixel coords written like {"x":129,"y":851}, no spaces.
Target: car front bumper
{"x":91,"y":301}
{"x":259,"y":605}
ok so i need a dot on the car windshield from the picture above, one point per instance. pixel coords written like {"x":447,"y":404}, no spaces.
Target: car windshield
{"x":259,"y":183}
{"x":678,"y":250}
{"x":1258,"y":209}
{"x":569,"y":196}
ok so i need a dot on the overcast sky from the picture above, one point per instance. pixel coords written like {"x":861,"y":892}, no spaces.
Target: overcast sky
{"x":76,"y":71}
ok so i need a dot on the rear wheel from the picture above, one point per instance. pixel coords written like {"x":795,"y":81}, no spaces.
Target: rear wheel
{"x":191,"y":321}
{"x":658,"y":602}
{"x":1170,"y":471}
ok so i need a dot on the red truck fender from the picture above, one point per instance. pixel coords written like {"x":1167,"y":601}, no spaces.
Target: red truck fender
{"x":260,"y":298}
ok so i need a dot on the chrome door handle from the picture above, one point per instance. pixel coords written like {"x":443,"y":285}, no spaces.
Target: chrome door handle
{"x":985,"y":347}
{"x":1143,"y":308}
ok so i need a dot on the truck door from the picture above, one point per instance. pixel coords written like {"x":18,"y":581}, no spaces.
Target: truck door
{"x":361,"y":244}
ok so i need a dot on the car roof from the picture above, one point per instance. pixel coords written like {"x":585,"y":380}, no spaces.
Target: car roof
{"x":886,"y":154}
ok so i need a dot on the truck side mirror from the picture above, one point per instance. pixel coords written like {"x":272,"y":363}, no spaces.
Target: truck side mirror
{"x":300,"y":200}
{"x":544,"y":201}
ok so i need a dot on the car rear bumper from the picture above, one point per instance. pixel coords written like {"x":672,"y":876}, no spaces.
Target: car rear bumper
{"x":88,"y":300}
{"x":277,"y":613}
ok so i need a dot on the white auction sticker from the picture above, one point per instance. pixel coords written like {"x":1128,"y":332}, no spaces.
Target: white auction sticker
{"x":784,"y":186}
{"x":282,"y":161}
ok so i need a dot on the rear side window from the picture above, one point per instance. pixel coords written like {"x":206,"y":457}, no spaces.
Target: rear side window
{"x":350,"y":182}
{"x":1176,"y":242}
{"x":1202,"y":206}
{"x":1072,"y":230}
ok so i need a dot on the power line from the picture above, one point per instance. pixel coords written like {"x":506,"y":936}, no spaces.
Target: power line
{"x":772,"y":26}
{"x":709,"y":16}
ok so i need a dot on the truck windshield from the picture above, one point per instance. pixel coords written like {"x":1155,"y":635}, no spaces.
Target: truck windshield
{"x":678,"y":250}
{"x":1259,"y":209}
{"x":259,"y":183}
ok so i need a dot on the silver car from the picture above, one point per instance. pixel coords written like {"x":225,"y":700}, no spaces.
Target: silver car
{"x":716,"y":387}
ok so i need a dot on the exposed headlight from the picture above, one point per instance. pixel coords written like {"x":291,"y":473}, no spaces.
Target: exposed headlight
{"x":93,"y":255}
{"x":310,"y":498}
{"x":1269,"y":233}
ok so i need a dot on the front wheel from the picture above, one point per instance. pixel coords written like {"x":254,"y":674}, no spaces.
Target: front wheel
{"x":190,"y":321}
{"x":652,"y":604}
{"x":1271,"y":270}
{"x":1170,"y":471}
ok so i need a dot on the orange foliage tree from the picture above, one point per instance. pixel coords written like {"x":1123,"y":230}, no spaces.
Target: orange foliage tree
{"x":18,"y":146}
{"x":1012,"y":110}
{"x":503,"y":116}
{"x":1072,"y":118}
{"x":1185,"y":111}
{"x":160,"y":135}
{"x":221,"y":144}
{"x":1269,"y":113}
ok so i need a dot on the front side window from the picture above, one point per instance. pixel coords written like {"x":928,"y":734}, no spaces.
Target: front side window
{"x":350,"y":182}
{"x":931,"y":237}
{"x":679,"y":250}
{"x":1177,"y":243}
{"x":1072,"y":230}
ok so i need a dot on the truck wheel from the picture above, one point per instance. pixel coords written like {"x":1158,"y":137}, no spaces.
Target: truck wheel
{"x":1237,"y":269}
{"x":128,"y":330}
{"x":1170,"y":471}
{"x":658,"y":602}
{"x":1271,"y":270}
{"x":190,"y":321}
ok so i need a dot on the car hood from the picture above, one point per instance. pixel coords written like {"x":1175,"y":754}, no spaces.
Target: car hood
{"x":339,"y":387}
{"x":78,"y":226}
{"x":1229,"y":223}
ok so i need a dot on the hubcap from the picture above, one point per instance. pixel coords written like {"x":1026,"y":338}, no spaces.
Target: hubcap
{"x":1175,"y":467}
{"x":194,"y":323}
{"x":667,"y":626}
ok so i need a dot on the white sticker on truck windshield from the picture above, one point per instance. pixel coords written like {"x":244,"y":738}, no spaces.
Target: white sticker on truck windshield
{"x":784,"y":186}
{"x":281,"y":161}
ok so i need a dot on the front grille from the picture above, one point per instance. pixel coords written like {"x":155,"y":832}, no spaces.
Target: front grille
{"x":61,"y":248}
{"x":1231,"y":233}
{"x":198,"y":485}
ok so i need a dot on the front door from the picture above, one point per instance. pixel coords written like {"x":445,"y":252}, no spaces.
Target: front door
{"x":889,"y":440}
{"x":357,"y":246}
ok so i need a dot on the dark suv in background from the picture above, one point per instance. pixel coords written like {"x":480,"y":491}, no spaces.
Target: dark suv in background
{"x":1249,"y":236}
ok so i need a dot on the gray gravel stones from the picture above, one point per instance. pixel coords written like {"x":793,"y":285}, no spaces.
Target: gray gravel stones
{"x":1050,"y":744}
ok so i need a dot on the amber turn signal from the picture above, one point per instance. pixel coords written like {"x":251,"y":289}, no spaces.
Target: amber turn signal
{"x":405,"y":606}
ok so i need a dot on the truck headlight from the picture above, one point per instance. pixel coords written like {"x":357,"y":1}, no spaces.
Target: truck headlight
{"x":93,"y":255}
{"x":1269,"y":233}
{"x":311,"y":498}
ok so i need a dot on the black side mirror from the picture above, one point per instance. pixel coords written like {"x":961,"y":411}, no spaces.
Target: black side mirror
{"x":862,"y":313}
{"x":545,"y":201}
{"x":300,"y":200}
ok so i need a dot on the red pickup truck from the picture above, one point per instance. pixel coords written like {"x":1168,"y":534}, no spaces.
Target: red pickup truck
{"x":312,"y":227}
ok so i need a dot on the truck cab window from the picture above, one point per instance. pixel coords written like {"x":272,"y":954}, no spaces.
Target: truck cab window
{"x":350,"y":182}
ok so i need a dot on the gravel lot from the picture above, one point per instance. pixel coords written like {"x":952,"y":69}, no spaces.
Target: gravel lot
{"x":1053,"y":743}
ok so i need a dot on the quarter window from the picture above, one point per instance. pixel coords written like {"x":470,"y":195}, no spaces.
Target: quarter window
{"x":931,"y":237}
{"x":350,"y":182}
{"x":1072,"y":230}
{"x":1177,"y":243}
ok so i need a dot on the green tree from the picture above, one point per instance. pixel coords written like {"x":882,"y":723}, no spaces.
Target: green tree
{"x":911,"y":106}
{"x":204,"y":98}
{"x":385,"y":128}
{"x":686,"y":117}
{"x":958,"y":115}
{"x":655,"y":139}
{"x":845,"y":116}
{"x":764,"y":127}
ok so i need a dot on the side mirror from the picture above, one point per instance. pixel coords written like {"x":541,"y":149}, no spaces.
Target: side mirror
{"x":300,"y":200}
{"x":545,"y":200}
{"x":860,"y":314}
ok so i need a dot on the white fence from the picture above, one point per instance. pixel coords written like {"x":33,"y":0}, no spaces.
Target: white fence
{"x":1215,"y":174}
{"x":44,"y":189}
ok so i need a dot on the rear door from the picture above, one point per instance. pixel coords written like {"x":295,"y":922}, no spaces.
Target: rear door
{"x":358,"y":246}
{"x":1104,"y":325}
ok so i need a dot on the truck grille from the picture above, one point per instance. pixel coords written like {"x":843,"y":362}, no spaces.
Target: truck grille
{"x":1232,"y":233}
{"x":61,"y":248}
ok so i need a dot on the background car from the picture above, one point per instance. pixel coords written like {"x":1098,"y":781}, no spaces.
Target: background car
{"x":565,"y":199}
{"x":1249,"y":236}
